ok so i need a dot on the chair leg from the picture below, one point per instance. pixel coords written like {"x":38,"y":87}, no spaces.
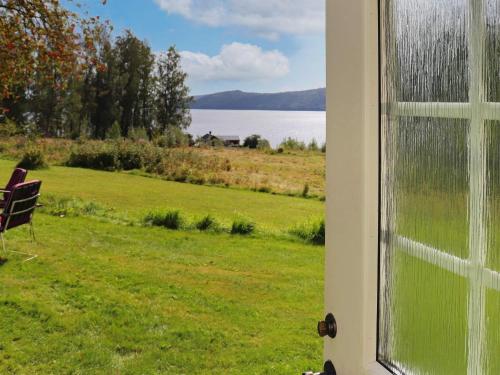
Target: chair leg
{"x":32,"y":232}
{"x":3,"y":244}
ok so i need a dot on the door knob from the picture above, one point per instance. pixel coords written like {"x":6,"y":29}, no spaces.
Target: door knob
{"x":328,"y":369}
{"x":328,"y":327}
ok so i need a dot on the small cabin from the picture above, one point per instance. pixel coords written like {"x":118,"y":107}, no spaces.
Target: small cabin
{"x":227,"y":140}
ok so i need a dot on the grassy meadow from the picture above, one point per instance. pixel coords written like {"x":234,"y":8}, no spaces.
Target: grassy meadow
{"x":285,"y":173}
{"x":109,"y":295}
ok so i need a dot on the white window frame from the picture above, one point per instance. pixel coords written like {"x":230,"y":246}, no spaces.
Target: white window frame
{"x":351,"y":272}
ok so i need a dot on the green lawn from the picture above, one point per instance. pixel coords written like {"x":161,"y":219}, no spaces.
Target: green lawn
{"x":135,"y":195}
{"x":106,"y":298}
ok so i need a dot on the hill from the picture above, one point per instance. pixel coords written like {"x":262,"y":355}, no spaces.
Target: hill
{"x":309,"y":100}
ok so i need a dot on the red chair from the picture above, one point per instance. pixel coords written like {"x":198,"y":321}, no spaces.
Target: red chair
{"x":19,"y":209}
{"x":18,"y":177}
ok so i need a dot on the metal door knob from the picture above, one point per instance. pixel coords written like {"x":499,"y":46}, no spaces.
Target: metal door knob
{"x":328,"y":369}
{"x":328,"y":327}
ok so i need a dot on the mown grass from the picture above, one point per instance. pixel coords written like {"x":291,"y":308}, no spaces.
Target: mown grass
{"x":107,"y":296}
{"x":104,"y":298}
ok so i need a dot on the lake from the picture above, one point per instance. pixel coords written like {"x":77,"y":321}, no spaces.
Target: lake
{"x":271,"y":125}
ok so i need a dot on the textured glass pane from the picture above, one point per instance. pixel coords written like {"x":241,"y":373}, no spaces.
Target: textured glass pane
{"x":428,"y":323}
{"x":430,"y":192}
{"x":493,"y":332}
{"x":493,"y":50}
{"x":493,"y":254}
{"x":493,"y":191}
{"x":439,"y":305}
{"x":431,"y":50}
{"x":425,"y":306}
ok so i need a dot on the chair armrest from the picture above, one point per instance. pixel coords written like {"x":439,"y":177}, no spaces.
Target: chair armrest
{"x":4,"y":191}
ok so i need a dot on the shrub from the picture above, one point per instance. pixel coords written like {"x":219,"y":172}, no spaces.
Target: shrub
{"x":264,"y":145}
{"x":312,"y":232}
{"x":313,"y":146}
{"x":305,"y":191}
{"x":173,"y":137}
{"x":138,"y":134}
{"x":323,"y":147}
{"x":170,"y":219}
{"x":32,"y":159}
{"x":94,"y":155}
{"x":242,"y":226}
{"x":264,"y":189}
{"x":115,"y":132}
{"x":129,"y":155}
{"x":8,"y":128}
{"x":206,"y":223}
{"x":292,"y":144}
{"x":252,"y":141}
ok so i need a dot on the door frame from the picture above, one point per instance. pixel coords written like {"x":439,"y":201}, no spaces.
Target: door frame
{"x":352,"y":241}
{"x":353,"y":159}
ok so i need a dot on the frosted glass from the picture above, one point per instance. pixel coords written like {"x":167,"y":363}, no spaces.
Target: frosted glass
{"x":493,"y":50}
{"x":432,"y":50}
{"x":439,"y":289}
{"x":431,"y":186}
{"x":492,"y":359}
{"x":493,"y":192}
{"x":425,"y":306}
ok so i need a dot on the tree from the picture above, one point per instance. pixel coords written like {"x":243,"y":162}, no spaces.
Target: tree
{"x":107,"y":90}
{"x":135,"y":65}
{"x":115,"y":132}
{"x":252,"y":141}
{"x":40,"y":38}
{"x":172,"y":94}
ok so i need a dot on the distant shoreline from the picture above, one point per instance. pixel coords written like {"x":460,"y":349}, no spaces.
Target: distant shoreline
{"x":305,"y":101}
{"x":258,"y":109}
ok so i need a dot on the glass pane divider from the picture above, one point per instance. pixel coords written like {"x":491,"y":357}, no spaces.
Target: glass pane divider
{"x":488,"y":111}
{"x":476,"y":314}
{"x":443,"y":260}
{"x":491,"y":111}
{"x":434,"y":110}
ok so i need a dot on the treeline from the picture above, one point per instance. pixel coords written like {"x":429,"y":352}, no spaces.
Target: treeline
{"x":114,"y":87}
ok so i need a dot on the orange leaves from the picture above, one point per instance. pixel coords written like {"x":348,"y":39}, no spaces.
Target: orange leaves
{"x":101,"y":67}
{"x":40,"y":38}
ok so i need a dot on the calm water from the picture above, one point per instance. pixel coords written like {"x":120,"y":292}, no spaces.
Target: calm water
{"x":272,"y":125}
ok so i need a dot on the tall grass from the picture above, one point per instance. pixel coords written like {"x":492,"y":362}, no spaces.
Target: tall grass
{"x":207,"y":222}
{"x":242,"y":226}
{"x":171,"y":219}
{"x":313,"y":231}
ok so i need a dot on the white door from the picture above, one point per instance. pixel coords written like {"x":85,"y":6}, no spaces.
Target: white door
{"x":413,"y":211}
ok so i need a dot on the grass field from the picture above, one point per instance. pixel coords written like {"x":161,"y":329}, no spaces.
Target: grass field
{"x":282,"y":173}
{"x":108,"y":298}
{"x":134,"y":196}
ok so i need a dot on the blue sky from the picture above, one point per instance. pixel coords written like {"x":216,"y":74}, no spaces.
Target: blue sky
{"x":250,"y":45}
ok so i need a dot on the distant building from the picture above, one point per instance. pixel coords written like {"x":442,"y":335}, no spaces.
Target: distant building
{"x":227,"y":140}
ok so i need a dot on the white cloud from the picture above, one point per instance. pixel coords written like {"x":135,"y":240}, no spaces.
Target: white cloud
{"x":237,"y":62}
{"x":269,"y":18}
